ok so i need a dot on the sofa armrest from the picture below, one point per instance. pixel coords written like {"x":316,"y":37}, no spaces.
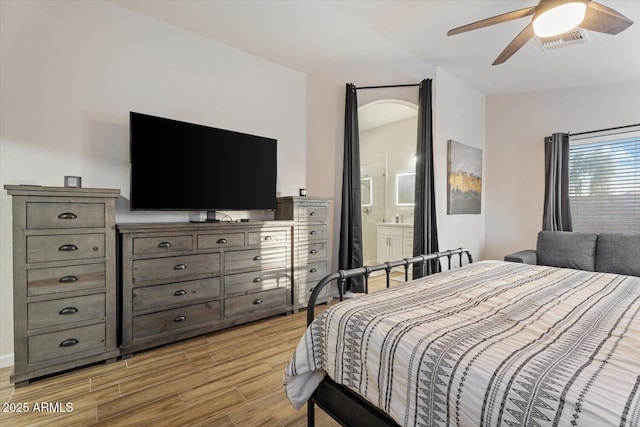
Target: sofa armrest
{"x":528,"y":256}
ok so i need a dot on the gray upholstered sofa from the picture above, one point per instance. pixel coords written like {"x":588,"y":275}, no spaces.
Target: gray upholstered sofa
{"x":607,"y":253}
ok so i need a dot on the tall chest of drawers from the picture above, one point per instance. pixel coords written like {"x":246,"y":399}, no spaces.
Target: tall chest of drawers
{"x":310,"y":244}
{"x":64,"y":278}
{"x":179,"y":280}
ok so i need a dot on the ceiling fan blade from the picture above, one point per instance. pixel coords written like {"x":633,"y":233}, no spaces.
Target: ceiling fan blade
{"x":603,"y":19}
{"x":520,"y":40}
{"x":505,"y":17}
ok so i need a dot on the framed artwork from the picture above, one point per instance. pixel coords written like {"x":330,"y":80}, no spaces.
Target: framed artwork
{"x":464,"y":179}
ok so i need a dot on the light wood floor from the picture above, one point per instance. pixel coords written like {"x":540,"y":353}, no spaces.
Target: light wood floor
{"x":228,"y":378}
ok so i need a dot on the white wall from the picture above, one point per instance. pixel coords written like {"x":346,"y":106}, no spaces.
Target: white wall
{"x":398,"y":140}
{"x":70,"y":73}
{"x":459,"y":114}
{"x":516,"y":127}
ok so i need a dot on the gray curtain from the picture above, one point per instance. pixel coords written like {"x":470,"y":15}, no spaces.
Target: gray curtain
{"x":557,"y":215}
{"x":425,"y":231}
{"x":350,"y":252}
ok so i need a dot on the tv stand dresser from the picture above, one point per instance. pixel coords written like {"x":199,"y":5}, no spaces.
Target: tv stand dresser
{"x":179,"y":280}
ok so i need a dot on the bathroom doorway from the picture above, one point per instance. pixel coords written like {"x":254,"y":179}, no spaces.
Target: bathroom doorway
{"x":388,"y":135}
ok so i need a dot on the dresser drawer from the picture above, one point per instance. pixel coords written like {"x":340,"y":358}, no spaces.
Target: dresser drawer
{"x":312,"y":233}
{"x":175,"y":293}
{"x":175,"y":319}
{"x":256,"y":281}
{"x":170,"y":269}
{"x":307,"y":213}
{"x":313,"y":271}
{"x":211,"y":241}
{"x":256,"y":258}
{"x":65,"y":310}
{"x":305,"y":290}
{"x":259,"y":301}
{"x":42,"y":281}
{"x":67,"y":342}
{"x":312,"y":251}
{"x":163,"y":244}
{"x":268,"y":237}
{"x":65,"y":247}
{"x":46,"y":215}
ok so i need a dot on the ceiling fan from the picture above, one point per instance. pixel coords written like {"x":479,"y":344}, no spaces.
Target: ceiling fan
{"x":551,"y":18}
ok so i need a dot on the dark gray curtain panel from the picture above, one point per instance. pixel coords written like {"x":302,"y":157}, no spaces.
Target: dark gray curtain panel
{"x":557,"y":214}
{"x":425,"y":230}
{"x":350,"y":252}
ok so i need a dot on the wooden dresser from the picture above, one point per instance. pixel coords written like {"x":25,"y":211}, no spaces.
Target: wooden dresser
{"x":310,"y":249}
{"x":179,"y":280}
{"x":64,"y":278}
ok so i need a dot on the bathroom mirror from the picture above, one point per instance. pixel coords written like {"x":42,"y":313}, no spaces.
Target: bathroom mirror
{"x":405,"y":189}
{"x":366,"y":191}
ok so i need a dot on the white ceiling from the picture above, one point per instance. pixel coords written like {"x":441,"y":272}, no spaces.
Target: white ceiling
{"x":333,"y":37}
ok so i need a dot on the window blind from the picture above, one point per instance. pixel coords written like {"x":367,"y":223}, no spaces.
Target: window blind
{"x":604,"y":181}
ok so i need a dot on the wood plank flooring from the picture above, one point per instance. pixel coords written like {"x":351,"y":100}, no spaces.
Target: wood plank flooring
{"x":228,"y":378}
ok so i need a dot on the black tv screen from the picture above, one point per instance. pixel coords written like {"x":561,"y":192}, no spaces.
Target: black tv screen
{"x":184,"y":166}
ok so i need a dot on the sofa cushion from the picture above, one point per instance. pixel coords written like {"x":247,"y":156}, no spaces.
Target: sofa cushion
{"x":618,"y":253}
{"x":567,"y":249}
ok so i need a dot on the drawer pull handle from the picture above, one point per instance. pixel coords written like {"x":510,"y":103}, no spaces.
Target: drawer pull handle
{"x":221,"y":241}
{"x":180,"y":319}
{"x":68,"y":248}
{"x":68,"y":215}
{"x":179,"y":293}
{"x":313,"y":232}
{"x":267,"y":237}
{"x":257,"y":258}
{"x":257,"y":301}
{"x":313,"y":270}
{"x":257,"y":280}
{"x":69,"y":343}
{"x":68,"y":279}
{"x":180,"y":267}
{"x":312,"y":214}
{"x":313,"y":252}
{"x":164,"y":244}
{"x":68,"y":310}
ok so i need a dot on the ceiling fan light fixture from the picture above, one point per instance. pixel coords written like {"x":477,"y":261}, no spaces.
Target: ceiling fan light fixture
{"x":559,"y":19}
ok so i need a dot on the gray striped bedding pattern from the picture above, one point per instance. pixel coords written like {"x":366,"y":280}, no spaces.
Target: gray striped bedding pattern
{"x":490,"y":344}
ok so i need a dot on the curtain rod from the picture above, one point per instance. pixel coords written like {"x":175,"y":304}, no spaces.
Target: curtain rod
{"x":388,"y":86}
{"x":603,"y":130}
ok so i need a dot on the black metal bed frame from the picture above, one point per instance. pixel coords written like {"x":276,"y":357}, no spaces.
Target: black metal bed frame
{"x":346,"y":407}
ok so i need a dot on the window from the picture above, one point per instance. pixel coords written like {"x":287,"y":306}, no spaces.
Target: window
{"x":604,"y":181}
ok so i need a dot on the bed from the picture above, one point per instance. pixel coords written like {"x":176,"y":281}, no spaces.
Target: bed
{"x":491,"y":343}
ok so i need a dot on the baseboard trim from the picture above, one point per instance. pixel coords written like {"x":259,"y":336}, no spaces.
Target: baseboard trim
{"x":6,"y":360}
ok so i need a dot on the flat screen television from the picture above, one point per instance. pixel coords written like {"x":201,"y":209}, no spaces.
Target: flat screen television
{"x":177,"y":165}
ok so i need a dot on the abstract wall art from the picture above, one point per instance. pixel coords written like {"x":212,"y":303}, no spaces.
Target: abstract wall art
{"x":464,"y":179}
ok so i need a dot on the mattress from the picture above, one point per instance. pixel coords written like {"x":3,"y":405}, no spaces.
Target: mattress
{"x":492,"y":343}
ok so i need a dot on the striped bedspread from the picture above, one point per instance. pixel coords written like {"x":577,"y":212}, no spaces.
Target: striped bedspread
{"x":490,"y":344}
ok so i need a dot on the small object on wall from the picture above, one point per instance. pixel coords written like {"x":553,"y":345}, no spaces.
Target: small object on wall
{"x":303,"y":192}
{"x":73,"y":181}
{"x":464,"y":179}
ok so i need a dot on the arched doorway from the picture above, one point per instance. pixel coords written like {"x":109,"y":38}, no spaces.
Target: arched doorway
{"x":388,"y":134}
